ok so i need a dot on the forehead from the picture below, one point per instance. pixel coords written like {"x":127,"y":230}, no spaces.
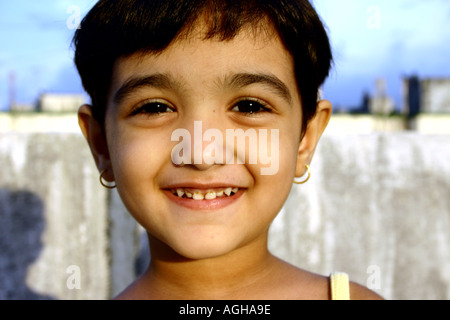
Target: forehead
{"x":192,"y":58}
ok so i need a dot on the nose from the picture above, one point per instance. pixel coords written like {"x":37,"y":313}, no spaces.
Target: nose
{"x":201,"y":146}
{"x":201,"y":157}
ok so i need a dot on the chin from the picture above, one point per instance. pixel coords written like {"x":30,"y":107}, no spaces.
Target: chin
{"x":203,"y":250}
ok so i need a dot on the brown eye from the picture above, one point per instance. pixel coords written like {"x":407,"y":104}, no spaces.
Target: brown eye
{"x":153,"y":108}
{"x":249,"y":107}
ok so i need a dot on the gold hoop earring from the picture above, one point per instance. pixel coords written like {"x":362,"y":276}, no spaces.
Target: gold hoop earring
{"x":107,"y":186}
{"x":307,"y":178}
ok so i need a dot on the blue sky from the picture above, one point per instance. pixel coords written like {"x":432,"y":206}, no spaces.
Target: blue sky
{"x":371,"y":39}
{"x":386,"y":39}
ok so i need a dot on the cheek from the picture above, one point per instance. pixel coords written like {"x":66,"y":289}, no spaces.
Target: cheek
{"x":136,"y":158}
{"x":283,"y":153}
{"x":281,"y":171}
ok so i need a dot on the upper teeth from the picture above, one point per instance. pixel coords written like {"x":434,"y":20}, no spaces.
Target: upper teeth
{"x":208,"y":195}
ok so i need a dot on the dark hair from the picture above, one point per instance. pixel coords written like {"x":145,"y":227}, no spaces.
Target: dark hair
{"x":117,"y":28}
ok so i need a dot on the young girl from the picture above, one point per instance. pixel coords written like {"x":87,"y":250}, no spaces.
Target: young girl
{"x":175,"y":85}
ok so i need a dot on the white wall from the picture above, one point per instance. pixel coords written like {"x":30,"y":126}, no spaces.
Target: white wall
{"x":60,"y":102}
{"x":36,"y":122}
{"x":376,"y":207}
{"x":54,"y":216}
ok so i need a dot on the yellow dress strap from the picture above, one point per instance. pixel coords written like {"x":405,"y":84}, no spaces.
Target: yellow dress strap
{"x":340,"y":286}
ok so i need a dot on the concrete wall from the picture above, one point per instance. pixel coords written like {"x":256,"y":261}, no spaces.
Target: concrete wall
{"x":437,"y":124}
{"x":432,"y":124}
{"x":54,"y":219}
{"x":41,"y":122}
{"x":377,"y":207}
{"x":365,"y":124}
{"x":37,"y":122}
{"x":52,"y":102}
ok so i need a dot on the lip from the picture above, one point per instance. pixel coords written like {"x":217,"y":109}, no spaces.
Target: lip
{"x":203,"y":205}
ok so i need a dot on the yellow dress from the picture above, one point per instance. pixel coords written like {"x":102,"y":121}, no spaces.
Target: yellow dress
{"x":340,"y":286}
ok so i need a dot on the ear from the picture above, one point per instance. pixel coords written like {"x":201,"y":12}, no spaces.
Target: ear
{"x":94,"y":134}
{"x":312,"y":136}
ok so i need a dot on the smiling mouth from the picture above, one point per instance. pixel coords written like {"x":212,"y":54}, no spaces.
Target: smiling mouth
{"x":210,"y":194}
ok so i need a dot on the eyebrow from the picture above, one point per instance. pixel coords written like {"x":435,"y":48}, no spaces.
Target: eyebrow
{"x":241,"y":80}
{"x":158,"y":80}
{"x":236,"y":81}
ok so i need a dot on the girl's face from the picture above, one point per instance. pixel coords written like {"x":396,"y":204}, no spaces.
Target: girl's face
{"x":198,"y":208}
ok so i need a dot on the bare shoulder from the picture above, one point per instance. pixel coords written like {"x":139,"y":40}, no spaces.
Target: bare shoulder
{"x":359,"y":292}
{"x":294,"y":283}
{"x":307,"y":285}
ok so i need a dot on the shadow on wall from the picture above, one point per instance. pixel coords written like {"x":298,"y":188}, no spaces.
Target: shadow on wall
{"x":21,"y":228}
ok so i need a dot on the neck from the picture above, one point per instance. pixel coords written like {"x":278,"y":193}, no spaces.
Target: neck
{"x":234,"y":275}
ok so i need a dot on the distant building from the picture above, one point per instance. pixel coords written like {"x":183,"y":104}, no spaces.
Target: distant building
{"x":412,"y":96}
{"x":430,"y":95}
{"x":435,"y":95}
{"x":381,"y":103}
{"x":53,"y":102}
{"x":365,"y":105}
{"x":22,"y":107}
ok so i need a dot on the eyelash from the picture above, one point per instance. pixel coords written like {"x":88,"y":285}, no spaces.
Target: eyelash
{"x":143,"y":108}
{"x":253,"y":103}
